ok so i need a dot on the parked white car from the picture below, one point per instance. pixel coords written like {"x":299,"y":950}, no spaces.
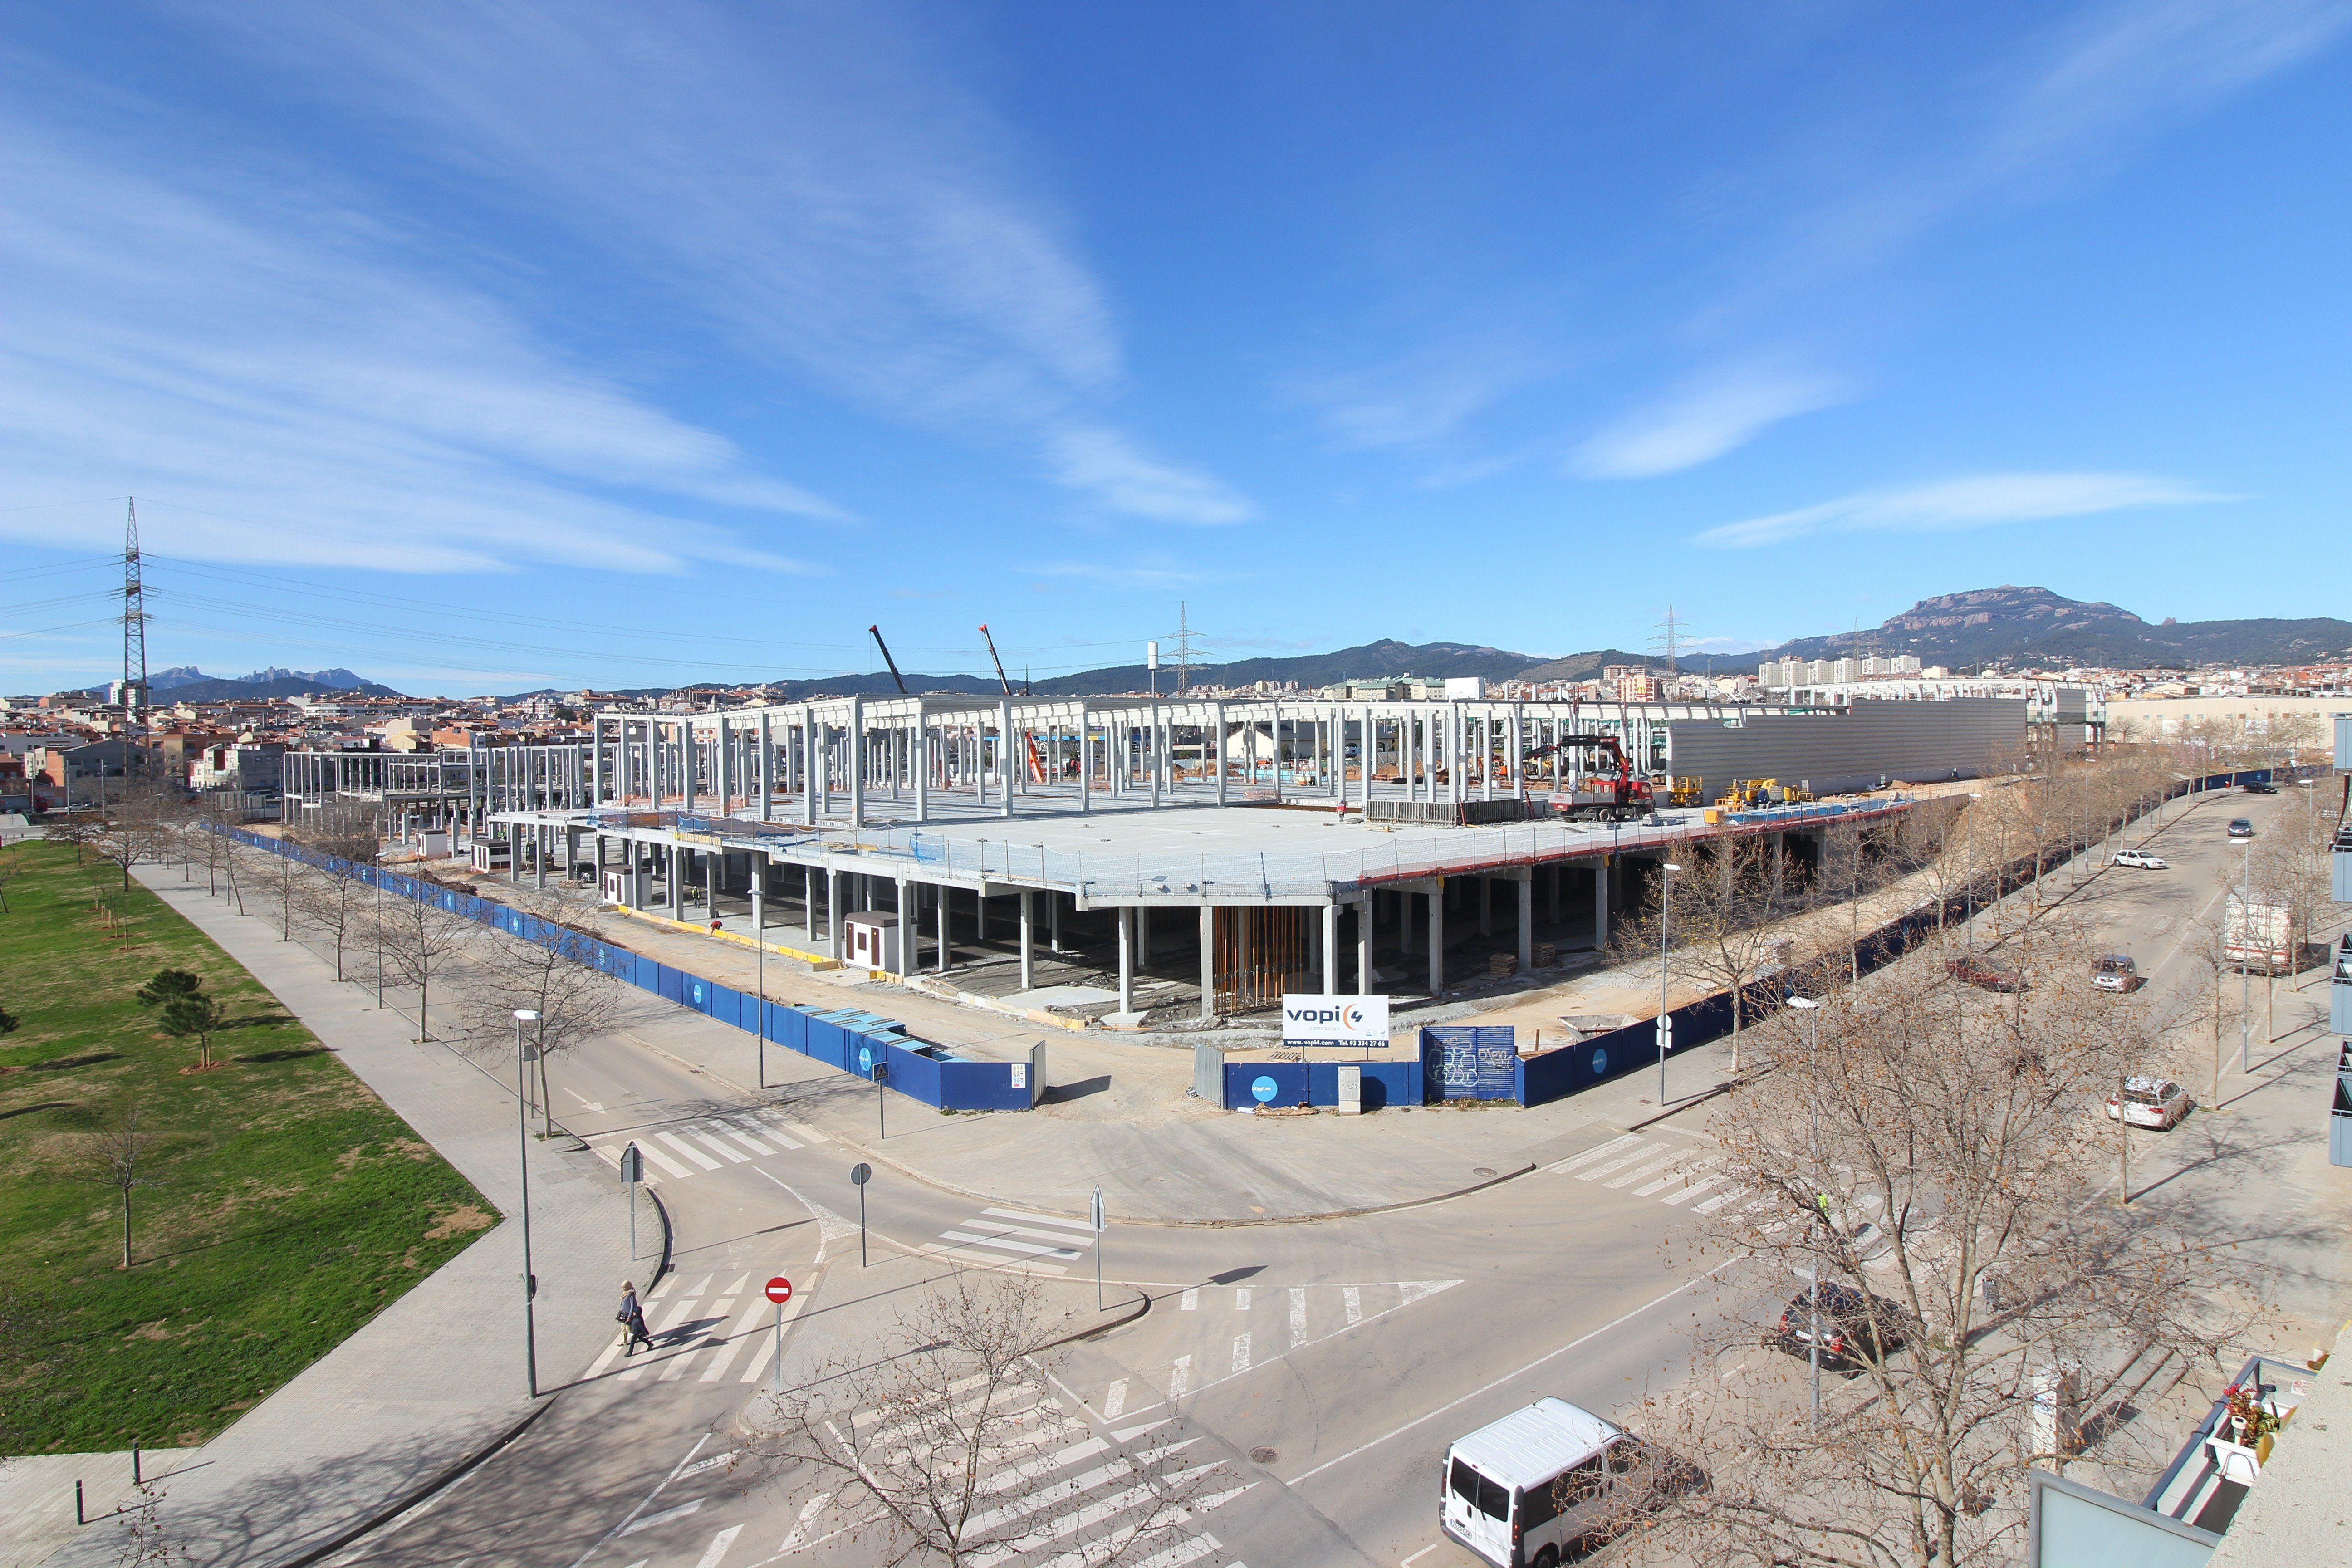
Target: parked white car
{"x":2141,"y":858}
{"x":2156,"y":1102}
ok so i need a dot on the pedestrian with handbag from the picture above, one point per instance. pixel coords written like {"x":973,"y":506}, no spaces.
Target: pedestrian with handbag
{"x":632,"y":1319}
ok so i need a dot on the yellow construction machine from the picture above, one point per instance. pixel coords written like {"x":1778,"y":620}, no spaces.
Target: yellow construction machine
{"x":1753,"y":795}
{"x":1686,"y":789}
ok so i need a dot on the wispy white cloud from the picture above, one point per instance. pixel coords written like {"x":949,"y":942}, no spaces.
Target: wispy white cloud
{"x":290,"y":384}
{"x":1984,"y":500}
{"x":1160,"y":573}
{"x":1107,"y":464}
{"x":1704,"y":419}
{"x":1423,"y":397}
{"x":816,"y":183}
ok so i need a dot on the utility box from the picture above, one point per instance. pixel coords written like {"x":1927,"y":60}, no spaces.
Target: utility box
{"x":870,"y":939}
{"x":491,"y":855}
{"x":616,"y":886}
{"x":1352,"y":1089}
{"x":433,"y":843}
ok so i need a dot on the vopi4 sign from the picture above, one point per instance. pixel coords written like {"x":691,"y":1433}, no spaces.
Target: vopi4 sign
{"x":1309,"y":1020}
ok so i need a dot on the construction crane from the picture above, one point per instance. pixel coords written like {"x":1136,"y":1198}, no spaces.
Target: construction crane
{"x":1037,"y":764}
{"x":889,"y":660}
{"x":1605,"y":798}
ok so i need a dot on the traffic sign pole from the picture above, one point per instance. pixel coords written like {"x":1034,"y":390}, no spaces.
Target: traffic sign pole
{"x":1096,"y":1213}
{"x":859,"y":1174}
{"x":780,"y":1290}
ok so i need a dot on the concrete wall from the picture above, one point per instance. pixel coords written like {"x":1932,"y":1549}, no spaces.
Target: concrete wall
{"x":1861,"y":748}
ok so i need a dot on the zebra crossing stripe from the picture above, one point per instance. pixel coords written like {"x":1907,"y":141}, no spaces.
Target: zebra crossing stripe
{"x":1027,"y":1248}
{"x":732,"y":1156}
{"x":1641,"y":1172}
{"x":1297,"y":1315}
{"x":658,"y":1158}
{"x":990,"y":1259}
{"x":1078,"y":1224}
{"x":748,"y":1142}
{"x":1695,"y":1189}
{"x":1682,"y":1174}
{"x":1619,"y":1163}
{"x":1183,"y":1552}
{"x":689,"y":1151}
{"x":1578,"y":1162}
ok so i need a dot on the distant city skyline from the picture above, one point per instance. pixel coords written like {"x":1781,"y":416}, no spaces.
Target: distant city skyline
{"x":483,"y":350}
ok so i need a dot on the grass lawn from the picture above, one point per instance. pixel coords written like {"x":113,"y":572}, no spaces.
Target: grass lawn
{"x":288,"y":1203}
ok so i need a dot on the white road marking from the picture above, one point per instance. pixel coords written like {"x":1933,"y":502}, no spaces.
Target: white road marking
{"x":1181,"y":1378}
{"x":1639,"y":1171}
{"x":1694,"y":1188}
{"x":630,"y":1517}
{"x":748,"y":1141}
{"x":688,"y":1150}
{"x":809,"y":1510}
{"x":595,"y":1105}
{"x":1297,"y":1315}
{"x":1192,"y":1302}
{"x":767,"y":1342}
{"x":1720,"y":1199}
{"x":719,"y":1545}
{"x":1619,"y":1163}
{"x":1422,"y":1290}
{"x":1241,"y":1298}
{"x":988,"y":1259}
{"x":1006,"y":1243}
{"x":1183,"y":1552}
{"x":663,"y":1517}
{"x":664,"y":1161}
{"x":801,"y":1131}
{"x":1115,"y":1401}
{"x":1578,"y":1161}
{"x":1042,"y":1219}
{"x":1417,"y":1556}
{"x":732,"y":1156}
{"x":1354,"y":1297}
{"x":1240,"y":1352}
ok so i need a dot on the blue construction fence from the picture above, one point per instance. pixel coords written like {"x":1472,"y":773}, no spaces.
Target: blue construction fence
{"x":1280,"y":1084}
{"x":849,"y":1039}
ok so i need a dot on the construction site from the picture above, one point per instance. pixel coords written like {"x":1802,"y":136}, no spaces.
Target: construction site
{"x":1163,"y":858}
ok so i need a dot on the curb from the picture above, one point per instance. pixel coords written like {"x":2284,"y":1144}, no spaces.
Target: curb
{"x":385,"y":1515}
{"x":1142,"y":1305}
{"x":668,"y":1238}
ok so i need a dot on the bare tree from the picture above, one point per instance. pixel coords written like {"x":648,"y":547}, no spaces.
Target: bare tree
{"x":1926,"y":1155}
{"x":78,"y":828}
{"x":1723,"y":936}
{"x":939,"y":1448}
{"x":338,"y":908}
{"x":556,"y":979}
{"x":146,"y":1542}
{"x":7,"y":871}
{"x":2205,"y":942}
{"x":418,"y":940}
{"x":115,"y":1152}
{"x":136,"y":827}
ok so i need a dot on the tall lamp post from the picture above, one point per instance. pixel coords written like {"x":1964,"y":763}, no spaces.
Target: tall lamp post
{"x":1812,"y":1093}
{"x":2245,"y":936}
{"x":523,"y":1159}
{"x":1665,"y":1019}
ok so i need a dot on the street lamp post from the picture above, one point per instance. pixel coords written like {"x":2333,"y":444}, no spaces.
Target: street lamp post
{"x":2245,"y":933}
{"x":523,"y":1159}
{"x":1665,"y":1020}
{"x":1812,"y":1093}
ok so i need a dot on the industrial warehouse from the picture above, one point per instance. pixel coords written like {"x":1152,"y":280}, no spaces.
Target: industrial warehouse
{"x":1249,"y":847}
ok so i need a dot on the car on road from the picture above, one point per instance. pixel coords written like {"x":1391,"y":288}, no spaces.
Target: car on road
{"x":2156,"y":1102}
{"x":1847,"y":1321}
{"x":2141,"y":859}
{"x":2116,"y":972}
{"x":1984,"y":972}
{"x":2241,"y":828}
{"x":2258,"y":788}
{"x":1548,"y":1481}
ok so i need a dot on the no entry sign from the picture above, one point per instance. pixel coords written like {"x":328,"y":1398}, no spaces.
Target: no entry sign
{"x":780,"y":1290}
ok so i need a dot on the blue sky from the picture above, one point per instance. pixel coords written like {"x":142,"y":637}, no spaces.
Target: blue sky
{"x":486,"y":347}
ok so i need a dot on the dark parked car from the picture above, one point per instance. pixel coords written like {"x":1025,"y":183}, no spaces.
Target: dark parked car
{"x":1845,"y":1325}
{"x":1982,"y":972}
{"x":2258,"y":788}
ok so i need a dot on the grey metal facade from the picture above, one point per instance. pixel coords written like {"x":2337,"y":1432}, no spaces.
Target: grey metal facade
{"x":1866,"y":746}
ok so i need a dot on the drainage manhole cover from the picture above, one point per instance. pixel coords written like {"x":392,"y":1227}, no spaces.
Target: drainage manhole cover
{"x":1262,"y":1455}
{"x":1482,"y":1171}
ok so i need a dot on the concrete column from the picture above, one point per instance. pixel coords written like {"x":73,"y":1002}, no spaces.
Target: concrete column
{"x":906,"y":928}
{"x":1519,"y":751}
{"x":1366,"y":984}
{"x":1526,"y":923}
{"x":596,"y":759}
{"x":922,"y":767}
{"x":723,"y":766}
{"x":1209,"y":961}
{"x":1086,"y":764}
{"x":1126,"y":960}
{"x":1220,"y":753}
{"x":808,"y":903}
{"x":1437,"y":937}
{"x":1156,"y":754}
{"x":686,"y":763}
{"x":1331,"y":950}
{"x":833,"y":914}
{"x":1028,"y":940}
{"x":944,"y":892}
{"x":636,"y":873}
{"x":714,"y":870}
{"x":672,"y":882}
{"x":856,"y":762}
{"x":1143,"y":937}
{"x":1005,"y":755}
{"x":1275,"y":742}
{"x":1600,"y":904}
{"x":767,"y":770}
{"x":759,"y":900}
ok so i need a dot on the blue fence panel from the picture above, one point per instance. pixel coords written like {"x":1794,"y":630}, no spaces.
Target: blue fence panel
{"x":1390,"y":1083}
{"x":913,"y":1074}
{"x":1266,"y":1083}
{"x":669,"y":984}
{"x":788,"y":1027}
{"x":1469,"y":1061}
{"x":729,"y":1005}
{"x":983,"y":1086}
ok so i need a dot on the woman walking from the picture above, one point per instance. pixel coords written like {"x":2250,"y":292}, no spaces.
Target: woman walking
{"x":632,"y":1319}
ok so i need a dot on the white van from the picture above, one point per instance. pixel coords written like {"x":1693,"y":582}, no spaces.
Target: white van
{"x":1522,"y":1491}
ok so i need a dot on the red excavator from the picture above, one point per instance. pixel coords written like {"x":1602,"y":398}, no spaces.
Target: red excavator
{"x":1601,"y":798}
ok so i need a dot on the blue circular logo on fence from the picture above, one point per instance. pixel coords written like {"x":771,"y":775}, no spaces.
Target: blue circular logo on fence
{"x":1264,"y":1088}
{"x":698,"y":994}
{"x":1599,"y":1061}
{"x":864,"y":1058}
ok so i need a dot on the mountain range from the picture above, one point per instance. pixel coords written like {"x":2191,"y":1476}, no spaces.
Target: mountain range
{"x":186,"y":683}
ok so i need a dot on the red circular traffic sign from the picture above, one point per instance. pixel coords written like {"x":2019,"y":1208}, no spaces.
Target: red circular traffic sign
{"x":780,"y":1290}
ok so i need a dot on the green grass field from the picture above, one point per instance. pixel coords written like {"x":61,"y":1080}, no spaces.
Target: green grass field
{"x":288,"y":1203}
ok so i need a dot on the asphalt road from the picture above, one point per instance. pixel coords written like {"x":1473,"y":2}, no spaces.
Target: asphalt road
{"x":1317,"y":1372}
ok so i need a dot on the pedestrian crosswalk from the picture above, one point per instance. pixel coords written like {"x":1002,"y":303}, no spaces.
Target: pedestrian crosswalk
{"x":705,"y":1144}
{"x":1223,"y":1332}
{"x":1680,"y":1174}
{"x":1018,"y":1239}
{"x":701,"y":1334}
{"x":1054,"y":1490}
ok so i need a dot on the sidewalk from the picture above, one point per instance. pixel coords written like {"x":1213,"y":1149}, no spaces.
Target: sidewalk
{"x":438,"y":1374}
